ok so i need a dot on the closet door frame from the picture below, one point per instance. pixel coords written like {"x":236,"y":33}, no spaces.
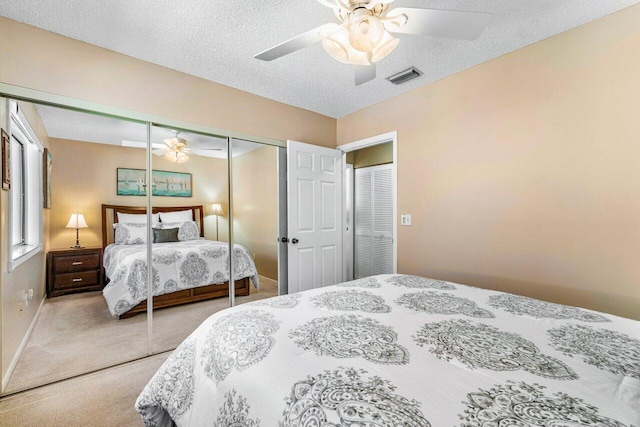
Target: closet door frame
{"x":391,"y":137}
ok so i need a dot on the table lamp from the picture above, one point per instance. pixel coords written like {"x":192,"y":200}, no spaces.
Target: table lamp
{"x":77,"y":221}
{"x":216,"y":209}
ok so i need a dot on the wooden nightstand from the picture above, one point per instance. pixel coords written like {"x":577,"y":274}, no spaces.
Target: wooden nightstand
{"x":74,"y":270}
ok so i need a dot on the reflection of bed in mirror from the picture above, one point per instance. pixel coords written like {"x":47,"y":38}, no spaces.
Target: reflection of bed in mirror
{"x":186,"y":267}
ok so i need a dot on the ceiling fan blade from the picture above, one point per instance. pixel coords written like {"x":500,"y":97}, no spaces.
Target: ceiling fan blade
{"x":211,"y":152}
{"x":300,"y":42}
{"x":438,"y":23}
{"x":364,"y":73}
{"x":141,"y":144}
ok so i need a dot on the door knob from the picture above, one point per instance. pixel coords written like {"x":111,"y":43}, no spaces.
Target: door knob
{"x":294,"y":241}
{"x":284,"y":240}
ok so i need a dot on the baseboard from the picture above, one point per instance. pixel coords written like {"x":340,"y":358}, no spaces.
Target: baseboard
{"x":16,"y":357}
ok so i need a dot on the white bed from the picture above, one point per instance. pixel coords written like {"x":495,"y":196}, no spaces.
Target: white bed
{"x":176,"y":266}
{"x":186,"y":267}
{"x":398,"y":350}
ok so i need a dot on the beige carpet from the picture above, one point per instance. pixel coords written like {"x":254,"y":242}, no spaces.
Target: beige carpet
{"x":76,"y":334}
{"x":104,"y":398}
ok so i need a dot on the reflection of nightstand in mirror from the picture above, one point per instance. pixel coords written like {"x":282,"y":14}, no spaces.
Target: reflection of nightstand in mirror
{"x":74,"y":270}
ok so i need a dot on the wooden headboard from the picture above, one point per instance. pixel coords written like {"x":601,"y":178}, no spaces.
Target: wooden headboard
{"x":109,"y":217}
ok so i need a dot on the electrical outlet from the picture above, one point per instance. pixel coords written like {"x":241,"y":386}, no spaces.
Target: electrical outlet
{"x":405,"y":219}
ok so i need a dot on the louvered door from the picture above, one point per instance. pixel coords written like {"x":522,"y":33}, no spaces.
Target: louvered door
{"x":373,"y":221}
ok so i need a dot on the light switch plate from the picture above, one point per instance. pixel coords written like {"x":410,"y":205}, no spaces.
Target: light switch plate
{"x":405,"y":219}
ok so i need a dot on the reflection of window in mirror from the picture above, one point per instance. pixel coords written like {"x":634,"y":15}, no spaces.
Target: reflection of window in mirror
{"x":26,"y":187}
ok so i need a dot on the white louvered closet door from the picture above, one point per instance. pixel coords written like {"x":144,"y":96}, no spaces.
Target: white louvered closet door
{"x":373,"y":221}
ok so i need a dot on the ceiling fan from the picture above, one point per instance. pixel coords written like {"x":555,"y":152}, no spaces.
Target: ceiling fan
{"x":363,"y":36}
{"x":176,"y":150}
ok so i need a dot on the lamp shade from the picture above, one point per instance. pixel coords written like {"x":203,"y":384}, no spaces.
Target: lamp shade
{"x":77,"y":221}
{"x":216,"y":209}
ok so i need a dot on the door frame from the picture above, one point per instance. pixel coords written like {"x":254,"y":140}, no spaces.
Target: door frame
{"x":370,"y":142}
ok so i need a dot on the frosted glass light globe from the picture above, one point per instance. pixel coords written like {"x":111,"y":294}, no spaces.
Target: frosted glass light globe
{"x":338,"y":46}
{"x":365,"y":31}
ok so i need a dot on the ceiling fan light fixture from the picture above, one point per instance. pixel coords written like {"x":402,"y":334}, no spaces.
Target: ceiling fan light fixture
{"x":176,"y":156}
{"x":338,"y":46}
{"x":175,"y":142}
{"x":365,"y":31}
{"x":385,"y":47}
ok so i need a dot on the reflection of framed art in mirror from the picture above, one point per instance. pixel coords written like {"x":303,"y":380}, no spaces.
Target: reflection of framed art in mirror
{"x":47,"y":162}
{"x":132,"y":182}
{"x":6,"y":161}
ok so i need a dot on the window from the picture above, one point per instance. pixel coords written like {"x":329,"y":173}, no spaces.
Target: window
{"x":26,"y":189}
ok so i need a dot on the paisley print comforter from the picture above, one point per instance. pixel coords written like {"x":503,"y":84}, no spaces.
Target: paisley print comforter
{"x":176,"y":266}
{"x":397,"y":350}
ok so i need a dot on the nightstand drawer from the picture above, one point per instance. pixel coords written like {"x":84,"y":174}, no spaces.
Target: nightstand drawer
{"x":70,"y":264}
{"x":76,"y":280}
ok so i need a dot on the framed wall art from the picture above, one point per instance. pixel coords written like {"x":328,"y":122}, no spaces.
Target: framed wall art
{"x":132,"y":182}
{"x":47,"y":163}
{"x":6,"y":161}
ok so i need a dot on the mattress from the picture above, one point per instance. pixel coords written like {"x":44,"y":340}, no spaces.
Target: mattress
{"x":398,"y":350}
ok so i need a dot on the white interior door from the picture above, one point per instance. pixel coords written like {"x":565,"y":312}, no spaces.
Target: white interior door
{"x":373,"y":221}
{"x":314,"y":216}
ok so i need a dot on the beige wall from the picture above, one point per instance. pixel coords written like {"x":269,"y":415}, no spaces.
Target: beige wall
{"x":84,"y":177}
{"x":255,"y":212}
{"x":522,"y":174}
{"x":52,"y":63}
{"x":16,"y":317}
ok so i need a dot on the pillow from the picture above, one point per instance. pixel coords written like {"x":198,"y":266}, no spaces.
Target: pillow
{"x":137,"y":218}
{"x":130,"y":234}
{"x":187,"y":230}
{"x":179,"y":216}
{"x":165,"y":235}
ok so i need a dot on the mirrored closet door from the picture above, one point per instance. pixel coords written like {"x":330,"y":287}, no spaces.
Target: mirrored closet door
{"x":190,"y":199}
{"x":255,"y":179}
{"x":57,"y":322}
{"x":120,"y":237}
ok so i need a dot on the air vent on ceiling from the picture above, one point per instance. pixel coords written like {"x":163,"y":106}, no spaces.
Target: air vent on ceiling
{"x":405,"y":76}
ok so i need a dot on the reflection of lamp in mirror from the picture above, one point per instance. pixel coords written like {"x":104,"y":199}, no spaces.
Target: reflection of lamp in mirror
{"x":77,"y":221}
{"x":216,"y":209}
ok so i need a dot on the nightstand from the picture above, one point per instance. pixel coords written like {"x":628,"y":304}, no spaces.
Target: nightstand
{"x":73,"y":270}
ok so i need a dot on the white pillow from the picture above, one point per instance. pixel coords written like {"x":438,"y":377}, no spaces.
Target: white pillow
{"x":187,"y":230}
{"x":130,"y":234}
{"x":137,"y":218}
{"x":179,"y":216}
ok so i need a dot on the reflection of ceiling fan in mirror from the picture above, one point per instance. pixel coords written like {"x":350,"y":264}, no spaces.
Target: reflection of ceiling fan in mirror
{"x":363,"y":36}
{"x":176,"y":149}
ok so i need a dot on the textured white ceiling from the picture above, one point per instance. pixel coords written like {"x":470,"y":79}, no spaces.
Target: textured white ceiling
{"x":217,"y":40}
